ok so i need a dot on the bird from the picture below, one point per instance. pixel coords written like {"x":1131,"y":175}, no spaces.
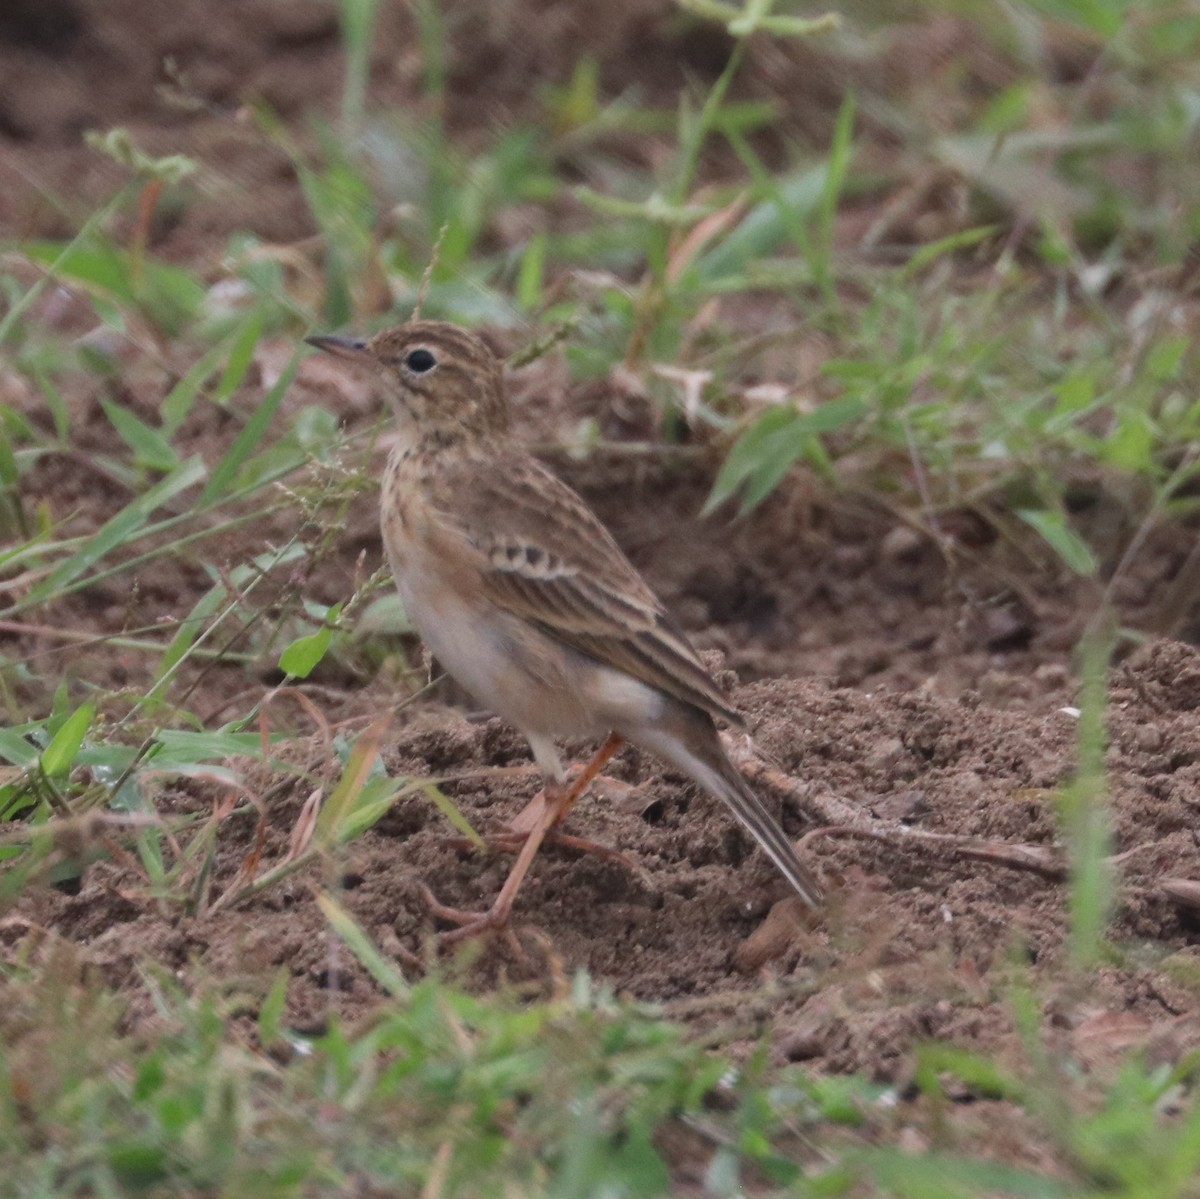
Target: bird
{"x":524,"y":597}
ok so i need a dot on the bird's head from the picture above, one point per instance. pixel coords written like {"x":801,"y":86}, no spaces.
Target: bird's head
{"x":443,"y":378}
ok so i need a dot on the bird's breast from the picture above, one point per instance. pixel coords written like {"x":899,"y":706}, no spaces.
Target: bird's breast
{"x":404,"y":516}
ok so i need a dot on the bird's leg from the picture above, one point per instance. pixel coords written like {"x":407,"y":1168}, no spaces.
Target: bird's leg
{"x":557,"y":801}
{"x":513,"y":836}
{"x":527,"y":818}
{"x":587,"y":776}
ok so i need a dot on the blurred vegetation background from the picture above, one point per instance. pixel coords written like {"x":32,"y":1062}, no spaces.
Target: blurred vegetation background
{"x":935,"y":259}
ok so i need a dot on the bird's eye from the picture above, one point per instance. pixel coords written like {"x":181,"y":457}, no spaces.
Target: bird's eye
{"x":420,"y":360}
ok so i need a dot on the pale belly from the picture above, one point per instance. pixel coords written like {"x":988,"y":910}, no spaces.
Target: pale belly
{"x":533,"y":681}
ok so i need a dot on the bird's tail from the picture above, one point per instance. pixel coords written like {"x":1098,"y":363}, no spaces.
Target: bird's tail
{"x":701,"y":756}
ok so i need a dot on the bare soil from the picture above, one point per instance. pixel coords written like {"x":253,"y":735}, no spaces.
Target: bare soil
{"x":919,"y":688}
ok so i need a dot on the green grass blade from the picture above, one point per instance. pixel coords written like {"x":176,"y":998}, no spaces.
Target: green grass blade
{"x":380,"y":967}
{"x":247,"y":441}
{"x":240,"y":356}
{"x":450,"y":810}
{"x":179,"y":400}
{"x":357,"y":20}
{"x":189,"y":628}
{"x":359,"y":768}
{"x":1084,"y":807}
{"x":118,"y":529}
{"x":1052,"y":525}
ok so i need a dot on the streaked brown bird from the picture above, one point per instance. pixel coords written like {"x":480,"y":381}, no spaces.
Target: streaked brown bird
{"x":522,"y":595}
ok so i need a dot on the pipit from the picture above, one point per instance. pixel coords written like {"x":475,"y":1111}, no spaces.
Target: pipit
{"x":523,"y":596}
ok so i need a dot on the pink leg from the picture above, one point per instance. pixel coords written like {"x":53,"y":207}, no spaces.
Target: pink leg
{"x":554,"y":803}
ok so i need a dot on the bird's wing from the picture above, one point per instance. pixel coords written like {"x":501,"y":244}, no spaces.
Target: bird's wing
{"x":546,"y":558}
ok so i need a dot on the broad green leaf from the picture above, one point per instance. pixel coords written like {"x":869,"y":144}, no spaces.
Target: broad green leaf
{"x":532,"y":270}
{"x":149,"y":446}
{"x":765,"y":452}
{"x":1008,"y":111}
{"x":746,"y":452}
{"x":1165,"y":357}
{"x":1131,"y":444}
{"x":1103,"y":18}
{"x":301,"y":657}
{"x":13,"y":801}
{"x":15,"y":749}
{"x":93,"y":265}
{"x":766,"y":226}
{"x":579,"y":102}
{"x":374,"y":802}
{"x":167,"y":294}
{"x":9,"y":474}
{"x":982,"y":1074}
{"x":109,"y":761}
{"x":939,"y":1176}
{"x":1053,"y":528}
{"x":270,"y":1012}
{"x":59,"y":756}
{"x":1075,"y":393}
{"x":183,"y":747}
{"x":384,"y":615}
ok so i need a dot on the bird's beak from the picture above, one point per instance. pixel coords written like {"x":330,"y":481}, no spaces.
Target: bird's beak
{"x":353,"y":348}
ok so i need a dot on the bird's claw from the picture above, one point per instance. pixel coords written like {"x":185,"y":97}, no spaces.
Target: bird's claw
{"x":511,"y":840}
{"x":493,"y":922}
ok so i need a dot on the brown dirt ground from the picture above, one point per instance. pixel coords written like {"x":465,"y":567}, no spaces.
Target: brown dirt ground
{"x":919,"y":687}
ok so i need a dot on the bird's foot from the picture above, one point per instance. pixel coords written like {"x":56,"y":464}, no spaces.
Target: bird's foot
{"x":493,"y":922}
{"x":511,"y":838}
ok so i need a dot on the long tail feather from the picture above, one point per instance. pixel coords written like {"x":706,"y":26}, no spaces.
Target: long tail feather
{"x":703,"y":758}
{"x":764,"y":828}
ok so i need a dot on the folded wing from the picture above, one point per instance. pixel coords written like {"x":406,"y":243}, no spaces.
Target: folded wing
{"x":548,"y":559}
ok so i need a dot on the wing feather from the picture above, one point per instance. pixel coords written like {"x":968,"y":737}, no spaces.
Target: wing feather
{"x":546,"y":557}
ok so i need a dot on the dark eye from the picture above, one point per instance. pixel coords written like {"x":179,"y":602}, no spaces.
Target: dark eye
{"x":421,"y":360}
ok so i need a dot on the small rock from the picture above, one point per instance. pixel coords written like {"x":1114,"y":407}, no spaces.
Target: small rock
{"x":905,"y":806}
{"x":902,"y":544}
{"x":1052,"y":675}
{"x":803,"y":1043}
{"x":772,"y":938}
{"x":911,"y":1141}
{"x":1105,"y":1036}
{"x":1004,"y":629}
{"x":886,"y":754}
{"x":1148,"y":738}
{"x":850,"y":560}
